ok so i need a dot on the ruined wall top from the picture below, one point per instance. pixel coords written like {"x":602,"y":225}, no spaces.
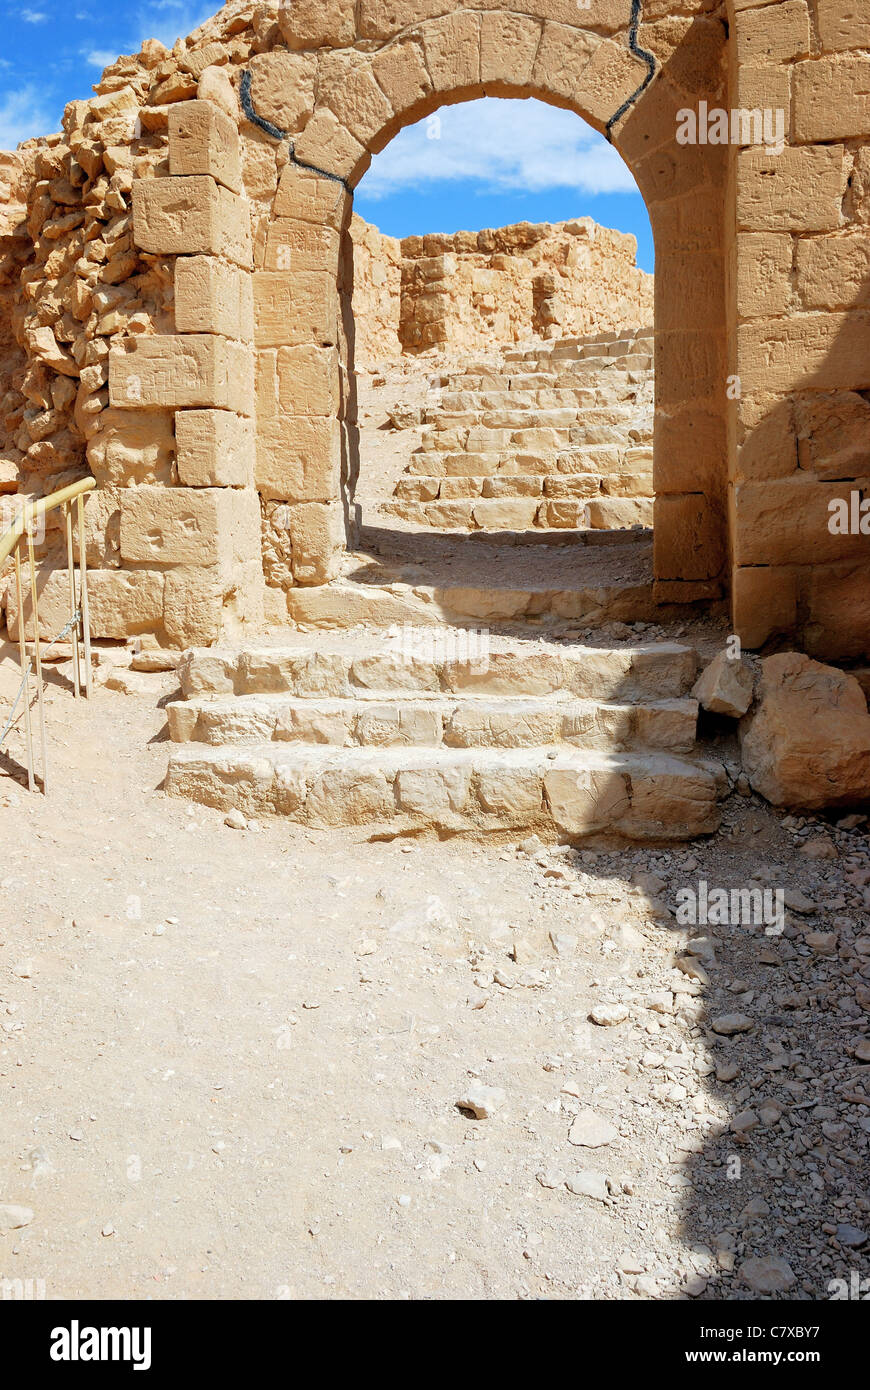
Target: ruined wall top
{"x":469,"y":291}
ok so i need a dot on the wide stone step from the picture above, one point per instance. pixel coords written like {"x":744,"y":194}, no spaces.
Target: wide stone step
{"x":451,"y":660}
{"x":563,"y":794}
{"x":510,"y":513}
{"x":425,"y":720}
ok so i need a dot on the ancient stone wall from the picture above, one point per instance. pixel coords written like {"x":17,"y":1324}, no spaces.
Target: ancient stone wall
{"x":470,"y":291}
{"x":801,"y":337}
{"x":183,"y":302}
{"x":377,"y":294}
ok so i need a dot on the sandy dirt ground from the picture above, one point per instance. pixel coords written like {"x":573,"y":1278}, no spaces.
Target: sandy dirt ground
{"x":245,"y":1064}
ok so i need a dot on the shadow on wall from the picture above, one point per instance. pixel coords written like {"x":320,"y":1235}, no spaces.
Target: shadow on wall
{"x":801,"y":540}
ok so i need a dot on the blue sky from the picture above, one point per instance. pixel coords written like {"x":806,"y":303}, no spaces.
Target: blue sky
{"x":480,"y":164}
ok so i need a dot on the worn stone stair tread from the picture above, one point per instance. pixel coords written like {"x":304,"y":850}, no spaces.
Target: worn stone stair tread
{"x":422,"y":718}
{"x":344,"y":664}
{"x":563,"y":793}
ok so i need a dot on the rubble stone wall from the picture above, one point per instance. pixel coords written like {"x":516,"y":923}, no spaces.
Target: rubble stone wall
{"x":182,"y":296}
{"x":471,"y":291}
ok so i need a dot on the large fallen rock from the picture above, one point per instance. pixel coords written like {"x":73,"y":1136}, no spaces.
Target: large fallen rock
{"x":807,"y":743}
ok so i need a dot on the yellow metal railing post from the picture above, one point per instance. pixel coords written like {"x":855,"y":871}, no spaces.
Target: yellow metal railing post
{"x":37,"y":647}
{"x":73,"y":606}
{"x":84,"y":604}
{"x":25,"y":668}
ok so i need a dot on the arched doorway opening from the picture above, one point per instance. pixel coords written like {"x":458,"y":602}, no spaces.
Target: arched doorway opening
{"x":501,"y":345}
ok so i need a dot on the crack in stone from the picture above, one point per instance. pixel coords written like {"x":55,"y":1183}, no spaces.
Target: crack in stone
{"x":648,"y":58}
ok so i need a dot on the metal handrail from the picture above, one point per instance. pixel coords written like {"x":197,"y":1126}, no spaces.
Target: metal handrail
{"x":79,"y":618}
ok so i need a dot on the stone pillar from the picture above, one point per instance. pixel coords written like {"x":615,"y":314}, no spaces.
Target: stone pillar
{"x":203,"y":533}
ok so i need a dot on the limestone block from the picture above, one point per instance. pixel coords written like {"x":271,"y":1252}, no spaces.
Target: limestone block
{"x":298,"y":724}
{"x":513,"y":795}
{"x":216,"y":87}
{"x":124,"y":603}
{"x":833,"y":434}
{"x":508,"y":44}
{"x":616,"y":513}
{"x":179,"y":370}
{"x":687,"y":538}
{"x":572,"y":485}
{"x":562,"y":59}
{"x":299,"y":459}
{"x":785,"y":521}
{"x":311,"y":198}
{"x":402,"y":75}
{"x":215,"y":448}
{"x":566,"y":515}
{"x":772,"y":188}
{"x":346,"y":84}
{"x":350,"y":796}
{"x":764,"y":88}
{"x":832,"y":98}
{"x":190,"y":216}
{"x":102,"y":528}
{"x":766,"y":447}
{"x":833,"y":272}
{"x":807,"y":745}
{"x":318,"y":23}
{"x":133,"y":446}
{"x":773,"y":34}
{"x":679,"y":803}
{"x":610,"y":77}
{"x":418,"y":489}
{"x":506,"y":513}
{"x":204,"y":140}
{"x":307,"y":380}
{"x":213,"y":297}
{"x":837,"y":607}
{"x":842,"y":24}
{"x":452,"y":46}
{"x":282,"y":87}
{"x":725,"y":686}
{"x":296,"y":308}
{"x":188,"y":526}
{"x":583,"y":801}
{"x":390,"y":726}
{"x":815,"y":350}
{"x":433,"y":794}
{"x":326,"y":144}
{"x":764,"y":602}
{"x":317,"y":539}
{"x":763,"y":273}
{"x":193,"y":606}
{"x":293,"y":245}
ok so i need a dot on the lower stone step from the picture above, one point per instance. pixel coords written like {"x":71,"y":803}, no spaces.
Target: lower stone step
{"x":523,"y":513}
{"x":564,"y":794}
{"x":423,"y":720}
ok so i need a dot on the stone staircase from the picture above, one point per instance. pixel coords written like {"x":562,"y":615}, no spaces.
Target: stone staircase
{"x":457,"y":731}
{"x":554,"y":436}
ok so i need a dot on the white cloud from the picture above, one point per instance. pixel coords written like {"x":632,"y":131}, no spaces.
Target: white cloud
{"x":34,"y":16}
{"x":99,"y":57}
{"x":23,"y":114}
{"x":501,"y":145}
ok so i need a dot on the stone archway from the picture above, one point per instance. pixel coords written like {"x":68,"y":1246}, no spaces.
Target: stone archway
{"x":365,"y":98}
{"x":262,"y":303}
